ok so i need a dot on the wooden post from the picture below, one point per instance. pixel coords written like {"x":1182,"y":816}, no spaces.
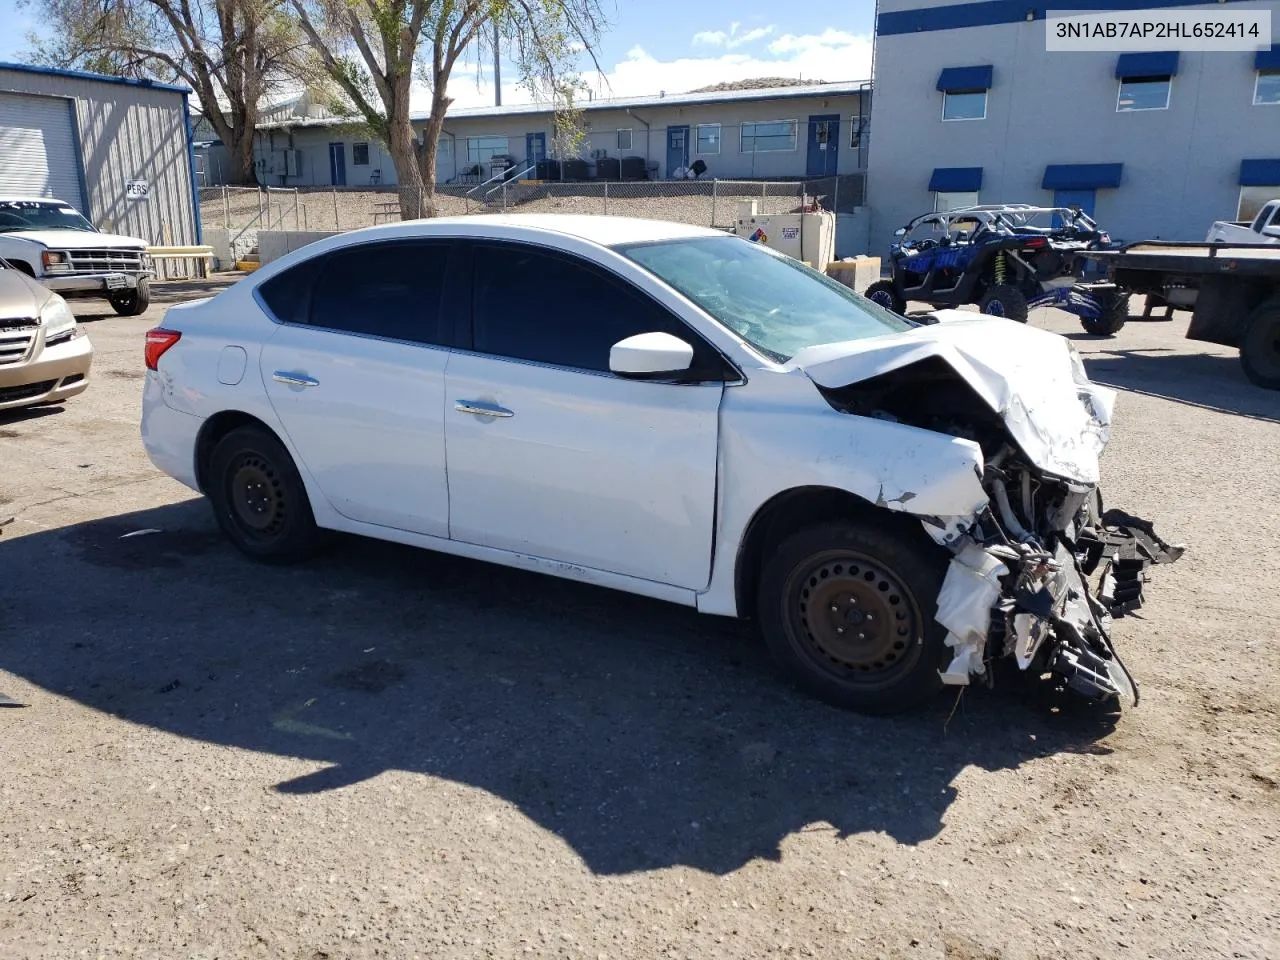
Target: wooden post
{"x":336,"y":226}
{"x":226,"y":209}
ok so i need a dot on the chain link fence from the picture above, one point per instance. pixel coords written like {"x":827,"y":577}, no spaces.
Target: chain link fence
{"x":709,"y":203}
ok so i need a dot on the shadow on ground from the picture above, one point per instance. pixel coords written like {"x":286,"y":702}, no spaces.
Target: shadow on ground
{"x":1199,"y":380}
{"x":643,"y":734}
{"x":163,"y":292}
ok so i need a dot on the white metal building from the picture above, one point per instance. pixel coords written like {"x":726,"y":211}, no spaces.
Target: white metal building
{"x":118,"y":150}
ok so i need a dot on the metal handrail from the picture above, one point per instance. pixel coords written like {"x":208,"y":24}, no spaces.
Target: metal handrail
{"x":517,"y":176}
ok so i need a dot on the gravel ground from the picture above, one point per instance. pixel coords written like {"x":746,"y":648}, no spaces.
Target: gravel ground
{"x":320,"y":208}
{"x":388,"y":753}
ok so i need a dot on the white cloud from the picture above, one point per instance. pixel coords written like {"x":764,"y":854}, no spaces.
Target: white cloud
{"x":829,"y":56}
{"x":730,"y":39}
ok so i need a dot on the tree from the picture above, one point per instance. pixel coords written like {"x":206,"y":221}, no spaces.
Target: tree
{"x":231,"y":53}
{"x":373,"y":49}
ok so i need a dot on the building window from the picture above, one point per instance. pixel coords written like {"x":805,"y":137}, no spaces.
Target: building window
{"x":1253,"y":199}
{"x":708,"y":141}
{"x":774,"y":136}
{"x":857,"y":127}
{"x":944,"y":201}
{"x":1267,"y":88}
{"x":964,"y":105}
{"x":1143,"y":93}
{"x":444,"y":151}
{"x":624,"y":139}
{"x":484,"y":149}
{"x":359,"y":154}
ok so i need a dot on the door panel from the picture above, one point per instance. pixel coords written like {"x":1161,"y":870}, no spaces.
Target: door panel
{"x":677,"y":149}
{"x":1084,"y":199}
{"x":589,"y":469}
{"x":535,"y":147}
{"x":824,"y":145}
{"x":355,"y":372}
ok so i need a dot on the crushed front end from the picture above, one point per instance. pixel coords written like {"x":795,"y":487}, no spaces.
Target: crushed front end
{"x":1039,"y":572}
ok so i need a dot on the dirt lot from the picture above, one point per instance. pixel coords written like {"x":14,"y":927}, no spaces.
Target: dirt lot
{"x":388,"y":753}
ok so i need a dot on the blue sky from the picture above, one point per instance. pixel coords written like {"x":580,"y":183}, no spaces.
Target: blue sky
{"x":668,"y":45}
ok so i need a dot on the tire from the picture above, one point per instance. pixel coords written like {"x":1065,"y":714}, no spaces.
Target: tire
{"x":1114,"y":315}
{"x":885,"y":294}
{"x":863,"y":577}
{"x":1005,"y":301}
{"x":1260,"y":346}
{"x":258,"y":497}
{"x":131,"y":303}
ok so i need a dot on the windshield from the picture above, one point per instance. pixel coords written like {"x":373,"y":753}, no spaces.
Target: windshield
{"x":776,"y":304}
{"x":16,"y":215}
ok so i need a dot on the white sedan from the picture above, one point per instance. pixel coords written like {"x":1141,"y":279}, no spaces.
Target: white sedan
{"x":670,"y":411}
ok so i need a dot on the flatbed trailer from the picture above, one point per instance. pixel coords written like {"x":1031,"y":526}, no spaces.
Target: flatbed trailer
{"x":1232,"y":291}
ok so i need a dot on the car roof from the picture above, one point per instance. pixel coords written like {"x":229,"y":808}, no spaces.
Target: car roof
{"x":6,"y":198}
{"x":605,"y":231}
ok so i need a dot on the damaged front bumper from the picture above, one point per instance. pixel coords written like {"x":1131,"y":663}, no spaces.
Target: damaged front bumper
{"x":1048,"y":606}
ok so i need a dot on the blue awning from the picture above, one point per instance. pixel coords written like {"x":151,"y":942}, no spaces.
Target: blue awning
{"x":1147,"y":65}
{"x":1081,"y":176}
{"x":956,"y":179}
{"x":1260,"y":173}
{"x":1267,"y":59}
{"x":957,"y":79}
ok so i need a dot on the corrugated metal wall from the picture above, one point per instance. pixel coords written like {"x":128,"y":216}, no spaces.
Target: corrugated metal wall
{"x":127,"y":133}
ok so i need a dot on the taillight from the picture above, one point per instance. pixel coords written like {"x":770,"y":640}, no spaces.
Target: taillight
{"x":1035,"y":243}
{"x":158,"y":341}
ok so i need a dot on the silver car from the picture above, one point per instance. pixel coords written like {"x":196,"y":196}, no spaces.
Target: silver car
{"x":45,"y":354}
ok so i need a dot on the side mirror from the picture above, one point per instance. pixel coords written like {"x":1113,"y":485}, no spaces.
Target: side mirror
{"x":650,"y":355}
{"x":900,"y":232}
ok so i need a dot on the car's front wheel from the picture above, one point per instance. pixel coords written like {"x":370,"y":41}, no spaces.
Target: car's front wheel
{"x":258,"y":497}
{"x":847,"y":609}
{"x":131,"y":303}
{"x":1005,"y":301}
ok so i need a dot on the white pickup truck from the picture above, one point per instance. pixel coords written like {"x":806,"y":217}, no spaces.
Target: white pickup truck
{"x":50,"y":241}
{"x":1264,"y":228}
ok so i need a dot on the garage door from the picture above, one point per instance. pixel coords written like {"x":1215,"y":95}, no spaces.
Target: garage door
{"x":38,"y":148}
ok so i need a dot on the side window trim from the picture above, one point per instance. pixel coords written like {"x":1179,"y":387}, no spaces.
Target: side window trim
{"x":465,"y":340}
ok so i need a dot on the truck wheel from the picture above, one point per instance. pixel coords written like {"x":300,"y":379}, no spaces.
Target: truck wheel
{"x":1113,"y":314}
{"x":847,"y":610}
{"x":1005,"y":301}
{"x":1260,"y":346}
{"x":259,"y":499}
{"x":131,"y":303}
{"x":883,"y":293}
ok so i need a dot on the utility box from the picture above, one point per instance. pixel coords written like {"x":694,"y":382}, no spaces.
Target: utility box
{"x":808,"y":237}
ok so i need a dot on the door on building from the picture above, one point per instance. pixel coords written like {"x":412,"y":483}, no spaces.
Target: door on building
{"x":535,"y":148}
{"x":1084,"y":199}
{"x":677,"y":149}
{"x":338,"y":164}
{"x":824,"y":145}
{"x":39,"y":149}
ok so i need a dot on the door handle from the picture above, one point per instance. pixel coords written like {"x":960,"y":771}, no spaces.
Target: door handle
{"x":481,"y":409}
{"x":294,"y":379}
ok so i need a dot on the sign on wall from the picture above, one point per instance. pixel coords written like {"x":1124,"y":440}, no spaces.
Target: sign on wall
{"x":136,"y":189}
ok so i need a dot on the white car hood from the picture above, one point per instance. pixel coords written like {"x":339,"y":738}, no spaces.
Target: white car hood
{"x":1025,"y":375}
{"x":76,"y":239}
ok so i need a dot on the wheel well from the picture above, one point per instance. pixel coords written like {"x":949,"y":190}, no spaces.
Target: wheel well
{"x":214,"y":429}
{"x":788,"y":512}
{"x":22,"y":266}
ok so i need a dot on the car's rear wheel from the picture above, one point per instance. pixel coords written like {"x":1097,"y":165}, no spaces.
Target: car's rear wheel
{"x":884,"y":293}
{"x":258,"y":497}
{"x":1113,"y":314}
{"x":847,"y":609}
{"x":1260,"y":346}
{"x":1005,"y":301}
{"x":131,"y":303}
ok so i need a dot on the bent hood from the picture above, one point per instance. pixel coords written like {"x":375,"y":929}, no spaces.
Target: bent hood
{"x":1027,"y":376}
{"x":77,"y":239}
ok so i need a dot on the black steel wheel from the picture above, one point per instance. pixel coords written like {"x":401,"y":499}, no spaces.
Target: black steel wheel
{"x":848,"y":611}
{"x":1005,"y":301}
{"x":885,"y":294}
{"x":258,"y":497}
{"x":1260,"y":346}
